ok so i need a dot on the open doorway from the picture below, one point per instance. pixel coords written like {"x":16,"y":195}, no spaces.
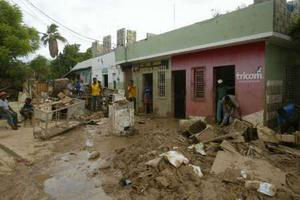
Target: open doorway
{"x":179,"y":93}
{"x":105,"y":79}
{"x":227,"y":75}
{"x":148,"y":93}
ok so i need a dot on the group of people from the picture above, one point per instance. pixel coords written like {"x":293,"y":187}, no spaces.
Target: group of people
{"x":10,"y":115}
{"x":76,"y":88}
{"x":147,"y":96}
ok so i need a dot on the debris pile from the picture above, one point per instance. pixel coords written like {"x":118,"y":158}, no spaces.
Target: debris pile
{"x":234,"y":162}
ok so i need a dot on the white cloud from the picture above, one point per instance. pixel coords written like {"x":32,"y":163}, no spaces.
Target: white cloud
{"x":97,"y":18}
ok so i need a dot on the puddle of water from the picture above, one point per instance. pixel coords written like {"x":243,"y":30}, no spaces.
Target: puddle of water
{"x":72,"y":178}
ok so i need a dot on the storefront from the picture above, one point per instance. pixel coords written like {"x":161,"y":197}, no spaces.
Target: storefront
{"x":155,"y":76}
{"x":240,"y":67}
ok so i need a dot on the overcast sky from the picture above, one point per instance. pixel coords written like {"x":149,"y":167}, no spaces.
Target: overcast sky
{"x":98,"y":18}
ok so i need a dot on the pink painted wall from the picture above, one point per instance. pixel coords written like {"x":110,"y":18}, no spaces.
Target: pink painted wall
{"x":246,"y":58}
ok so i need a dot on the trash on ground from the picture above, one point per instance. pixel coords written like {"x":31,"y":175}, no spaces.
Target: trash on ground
{"x":197,"y":170}
{"x":175,"y":158}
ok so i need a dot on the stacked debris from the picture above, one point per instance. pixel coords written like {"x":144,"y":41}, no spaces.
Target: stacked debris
{"x":234,"y":162}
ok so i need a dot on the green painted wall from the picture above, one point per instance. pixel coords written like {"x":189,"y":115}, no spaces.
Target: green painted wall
{"x":245,"y":22}
{"x":277,"y":58}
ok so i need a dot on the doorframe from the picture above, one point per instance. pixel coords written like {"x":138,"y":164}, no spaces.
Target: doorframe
{"x":173,"y":91}
{"x":215,"y":85}
{"x":143,"y":85}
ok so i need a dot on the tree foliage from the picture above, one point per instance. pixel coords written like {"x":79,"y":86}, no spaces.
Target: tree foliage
{"x":41,"y":68}
{"x":16,"y":40}
{"x":51,"y":38}
{"x":66,"y":60}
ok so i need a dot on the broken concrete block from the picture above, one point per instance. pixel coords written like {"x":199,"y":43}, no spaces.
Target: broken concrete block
{"x":94,"y":155}
{"x":267,"y":135}
{"x":256,"y":168}
{"x":227,"y":146}
{"x":239,"y":125}
{"x":121,"y":115}
{"x":207,"y":134}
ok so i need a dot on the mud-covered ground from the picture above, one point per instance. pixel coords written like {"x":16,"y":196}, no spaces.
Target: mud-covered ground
{"x":65,"y":172}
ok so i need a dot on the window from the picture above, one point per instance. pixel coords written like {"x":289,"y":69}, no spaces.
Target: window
{"x":199,"y":89}
{"x":162,"y":82}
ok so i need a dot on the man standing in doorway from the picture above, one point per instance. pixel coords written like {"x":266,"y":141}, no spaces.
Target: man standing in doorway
{"x":96,"y":91}
{"x":222,"y":91}
{"x":132,"y":93}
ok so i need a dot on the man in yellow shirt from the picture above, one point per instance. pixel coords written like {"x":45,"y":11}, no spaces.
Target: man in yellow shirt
{"x":96,"y":92}
{"x":132,"y":93}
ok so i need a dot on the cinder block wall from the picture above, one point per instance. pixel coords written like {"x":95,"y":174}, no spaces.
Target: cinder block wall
{"x":282,"y":17}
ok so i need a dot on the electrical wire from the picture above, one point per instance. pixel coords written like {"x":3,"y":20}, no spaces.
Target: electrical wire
{"x":54,"y":20}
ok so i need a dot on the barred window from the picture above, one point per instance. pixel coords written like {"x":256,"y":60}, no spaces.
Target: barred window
{"x":162,"y":82}
{"x":199,"y":89}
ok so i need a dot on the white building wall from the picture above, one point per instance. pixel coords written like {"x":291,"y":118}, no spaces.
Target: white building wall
{"x":101,"y":65}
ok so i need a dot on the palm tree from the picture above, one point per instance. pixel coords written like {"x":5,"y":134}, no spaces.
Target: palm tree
{"x":51,"y":38}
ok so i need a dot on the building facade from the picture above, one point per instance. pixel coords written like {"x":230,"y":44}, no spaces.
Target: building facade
{"x":249,"y":49}
{"x":103,"y":68}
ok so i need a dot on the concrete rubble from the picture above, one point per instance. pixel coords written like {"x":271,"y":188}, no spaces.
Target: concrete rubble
{"x":212,"y":154}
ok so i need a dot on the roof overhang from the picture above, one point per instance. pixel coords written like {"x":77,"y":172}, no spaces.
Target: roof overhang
{"x":220,"y":44}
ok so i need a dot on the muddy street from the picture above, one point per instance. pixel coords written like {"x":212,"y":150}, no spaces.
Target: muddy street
{"x":90,"y":163}
{"x":59,"y":168}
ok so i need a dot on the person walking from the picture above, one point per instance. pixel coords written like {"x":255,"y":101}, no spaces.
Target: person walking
{"x":96,"y":92}
{"x":7,"y":112}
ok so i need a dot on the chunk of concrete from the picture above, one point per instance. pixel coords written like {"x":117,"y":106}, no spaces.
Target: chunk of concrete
{"x":94,"y":155}
{"x":256,"y":168}
{"x":267,"y":135}
{"x":207,"y":134}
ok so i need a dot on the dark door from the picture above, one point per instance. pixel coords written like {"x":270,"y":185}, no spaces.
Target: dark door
{"x":179,"y":93}
{"x":105,"y":78}
{"x":148,"y":93}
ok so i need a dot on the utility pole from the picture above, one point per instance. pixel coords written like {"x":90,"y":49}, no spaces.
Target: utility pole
{"x":174,"y":14}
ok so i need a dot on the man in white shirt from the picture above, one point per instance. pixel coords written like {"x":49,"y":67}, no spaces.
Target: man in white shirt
{"x":7,"y":112}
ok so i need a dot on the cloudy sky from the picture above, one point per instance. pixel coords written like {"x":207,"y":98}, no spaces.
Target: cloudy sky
{"x":97,"y":18}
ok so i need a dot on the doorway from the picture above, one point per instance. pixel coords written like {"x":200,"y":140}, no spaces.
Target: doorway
{"x":179,"y":78}
{"x":105,"y":79}
{"x":148,"y":93}
{"x":227,"y":75}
